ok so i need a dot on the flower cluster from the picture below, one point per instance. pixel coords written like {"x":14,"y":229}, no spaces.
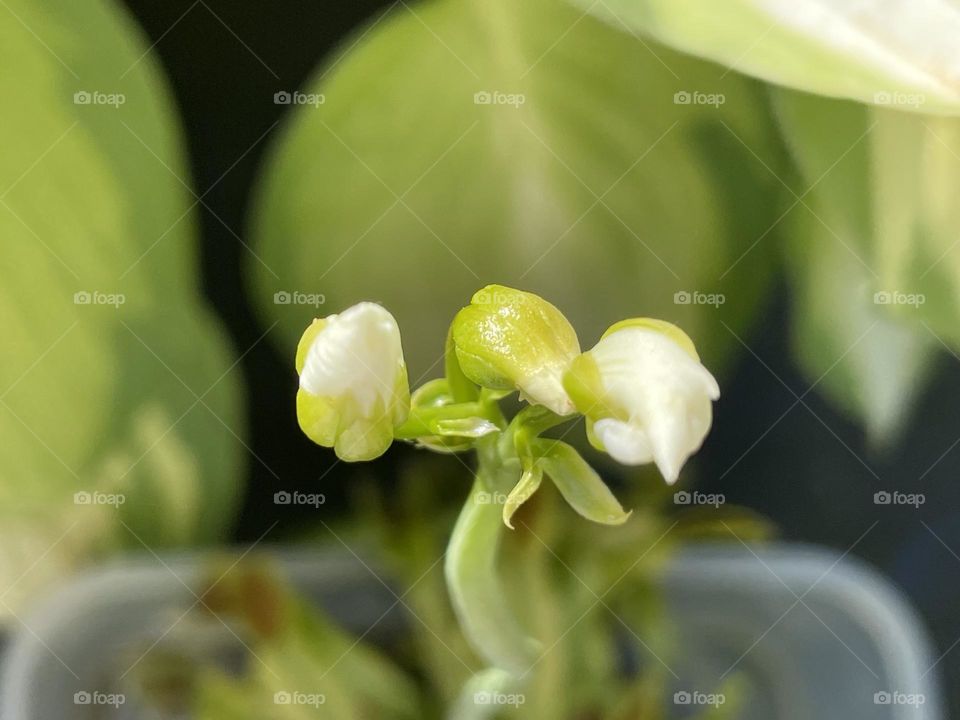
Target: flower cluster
{"x":642,"y":389}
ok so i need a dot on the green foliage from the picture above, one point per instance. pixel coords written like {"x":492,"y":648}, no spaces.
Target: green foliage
{"x":94,"y":396}
{"x":873,"y":251}
{"x":871,"y":206}
{"x":874,"y":52}
{"x":296,"y":663}
{"x":462,"y":143}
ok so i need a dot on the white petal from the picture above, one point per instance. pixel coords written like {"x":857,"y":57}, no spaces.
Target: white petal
{"x":676,"y":433}
{"x":356,"y":355}
{"x":625,"y":443}
{"x":664,"y":393}
{"x":546,"y":388}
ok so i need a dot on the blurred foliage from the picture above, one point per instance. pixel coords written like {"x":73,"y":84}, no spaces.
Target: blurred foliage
{"x":866,"y":51}
{"x":581,"y":590}
{"x":876,"y":222}
{"x":298,"y":650}
{"x":100,"y":397}
{"x":870,"y":204}
{"x":593,"y":189}
{"x":587,"y":181}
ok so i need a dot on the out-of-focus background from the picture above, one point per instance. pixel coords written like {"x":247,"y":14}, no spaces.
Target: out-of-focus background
{"x":162,"y":252}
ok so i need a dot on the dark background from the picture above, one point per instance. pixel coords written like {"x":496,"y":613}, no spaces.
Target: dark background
{"x":225,"y":60}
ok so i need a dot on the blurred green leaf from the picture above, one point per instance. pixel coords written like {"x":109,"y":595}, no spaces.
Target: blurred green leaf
{"x":870,"y":251}
{"x":101,"y":397}
{"x":459,"y":145}
{"x":889,"y":53}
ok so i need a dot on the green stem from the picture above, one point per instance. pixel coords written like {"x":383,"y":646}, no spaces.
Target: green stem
{"x":470,"y":705}
{"x":420,"y":420}
{"x":480,"y":601}
{"x":461,"y":388}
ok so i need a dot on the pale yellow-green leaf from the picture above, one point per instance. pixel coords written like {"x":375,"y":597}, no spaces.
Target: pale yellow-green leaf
{"x":899,"y":53}
{"x":869,"y":229}
{"x":101,"y":396}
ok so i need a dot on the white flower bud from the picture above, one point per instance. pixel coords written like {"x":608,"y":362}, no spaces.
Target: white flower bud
{"x":646,"y":396}
{"x":353,"y":382}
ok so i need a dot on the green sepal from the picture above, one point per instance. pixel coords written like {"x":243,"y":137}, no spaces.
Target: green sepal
{"x":522,"y":491}
{"x":579,"y":483}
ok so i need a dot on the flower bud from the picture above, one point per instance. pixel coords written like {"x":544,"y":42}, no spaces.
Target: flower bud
{"x":645,"y":394}
{"x":507,"y":339}
{"x":353,"y":382}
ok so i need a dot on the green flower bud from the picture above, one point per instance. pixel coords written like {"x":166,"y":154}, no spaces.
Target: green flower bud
{"x":507,"y":339}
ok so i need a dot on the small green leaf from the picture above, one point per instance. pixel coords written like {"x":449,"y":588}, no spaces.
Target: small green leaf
{"x":579,"y":483}
{"x":522,"y":491}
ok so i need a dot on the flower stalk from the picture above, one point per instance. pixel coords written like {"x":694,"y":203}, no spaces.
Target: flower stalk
{"x":476,"y":591}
